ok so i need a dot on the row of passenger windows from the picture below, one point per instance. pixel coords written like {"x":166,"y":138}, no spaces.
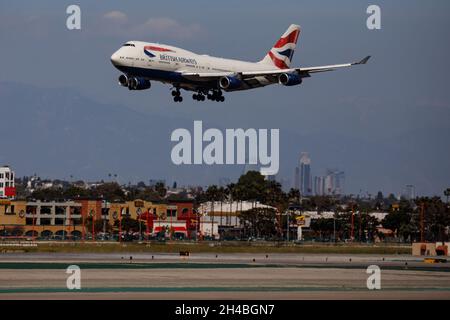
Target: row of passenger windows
{"x":168,"y":62}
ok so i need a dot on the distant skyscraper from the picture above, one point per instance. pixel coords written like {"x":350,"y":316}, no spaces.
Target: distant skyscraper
{"x":340,"y":182}
{"x":305,"y":174}
{"x":334,"y":182}
{"x":319,"y":186}
{"x":410,"y":192}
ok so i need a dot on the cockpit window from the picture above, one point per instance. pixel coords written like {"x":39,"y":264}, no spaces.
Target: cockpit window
{"x":128,"y":45}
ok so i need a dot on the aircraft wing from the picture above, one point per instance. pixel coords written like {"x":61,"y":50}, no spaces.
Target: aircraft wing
{"x":304,"y":72}
{"x":332,"y":67}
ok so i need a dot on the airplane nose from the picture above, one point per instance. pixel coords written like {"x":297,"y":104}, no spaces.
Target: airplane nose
{"x":115,"y":58}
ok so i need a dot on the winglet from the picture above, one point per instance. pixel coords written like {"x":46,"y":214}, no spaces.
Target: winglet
{"x":363,"y":61}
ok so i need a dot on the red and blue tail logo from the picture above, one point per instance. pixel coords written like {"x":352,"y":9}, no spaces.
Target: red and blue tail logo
{"x":148,"y":50}
{"x":282,"y":52}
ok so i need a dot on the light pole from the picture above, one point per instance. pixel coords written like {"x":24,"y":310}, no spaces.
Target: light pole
{"x":138,"y":211}
{"x":104,"y":219}
{"x":287,"y":227}
{"x":334,"y":227}
{"x":353,"y":224}
{"x":92,"y":214}
{"x":422,"y":209}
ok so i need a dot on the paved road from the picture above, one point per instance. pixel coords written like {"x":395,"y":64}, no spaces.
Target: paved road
{"x":286,"y":258}
{"x":236,"y":276}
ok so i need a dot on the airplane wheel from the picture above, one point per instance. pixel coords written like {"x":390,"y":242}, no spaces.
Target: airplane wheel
{"x":180,"y":99}
{"x":174,"y":93}
{"x":222,"y":99}
{"x":194,"y":96}
{"x":202,"y":98}
{"x":210,"y":97}
{"x":175,"y":98}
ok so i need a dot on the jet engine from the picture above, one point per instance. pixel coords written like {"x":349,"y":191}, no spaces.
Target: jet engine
{"x":138,"y":84}
{"x":289,"y":79}
{"x":230,"y":83}
{"x":123,"y":80}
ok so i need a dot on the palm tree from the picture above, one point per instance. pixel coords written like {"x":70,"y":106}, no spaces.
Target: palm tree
{"x":447,"y":193}
{"x":237,"y":196}
{"x":221,"y":194}
{"x":160,"y":188}
{"x":230,"y":194}
{"x":294,"y":195}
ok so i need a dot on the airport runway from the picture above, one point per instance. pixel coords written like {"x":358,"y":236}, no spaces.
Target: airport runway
{"x":225,"y":276}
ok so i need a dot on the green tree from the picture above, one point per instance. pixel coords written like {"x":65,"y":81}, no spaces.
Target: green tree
{"x":294,"y":196}
{"x":98,"y":226}
{"x":110,"y":191}
{"x":212,"y":194}
{"x":129,"y":224}
{"x":436,"y":218}
{"x":259,"y":222}
{"x":161,"y":189}
{"x":400,"y":220}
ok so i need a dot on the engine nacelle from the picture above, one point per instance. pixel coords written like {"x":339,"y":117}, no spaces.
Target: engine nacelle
{"x":230,"y":83}
{"x":138,"y":84}
{"x":289,"y":79}
{"x":123,"y":80}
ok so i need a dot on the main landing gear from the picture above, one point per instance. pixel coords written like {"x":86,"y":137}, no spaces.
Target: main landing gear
{"x":177,"y":95}
{"x":216,"y":95}
{"x":198,"y":96}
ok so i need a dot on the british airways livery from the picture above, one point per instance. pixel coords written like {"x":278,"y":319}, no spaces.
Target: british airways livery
{"x":209,"y":76}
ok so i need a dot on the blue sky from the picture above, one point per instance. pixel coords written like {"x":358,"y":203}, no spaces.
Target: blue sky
{"x":384,"y":124}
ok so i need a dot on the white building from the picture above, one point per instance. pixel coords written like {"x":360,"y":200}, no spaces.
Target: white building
{"x":216,"y":215}
{"x":7,"y":186}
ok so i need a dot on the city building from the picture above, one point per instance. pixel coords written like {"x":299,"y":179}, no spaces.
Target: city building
{"x":70,"y":219}
{"x":330,"y":184}
{"x":7,"y":186}
{"x":409,"y":192}
{"x":319,"y":186}
{"x":305,"y":174}
{"x":334,"y":182}
{"x":221,"y":219}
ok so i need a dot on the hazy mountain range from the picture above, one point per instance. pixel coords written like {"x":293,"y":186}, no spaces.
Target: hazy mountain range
{"x":59,"y":132}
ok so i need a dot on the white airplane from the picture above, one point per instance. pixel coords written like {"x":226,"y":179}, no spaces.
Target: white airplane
{"x":207,"y":76}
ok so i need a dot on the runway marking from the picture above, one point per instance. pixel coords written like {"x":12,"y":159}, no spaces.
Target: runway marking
{"x":210,"y":289}
{"x":207,"y":265}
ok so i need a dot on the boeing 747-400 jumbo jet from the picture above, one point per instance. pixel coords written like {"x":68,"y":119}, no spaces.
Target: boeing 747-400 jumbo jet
{"x":207,"y":76}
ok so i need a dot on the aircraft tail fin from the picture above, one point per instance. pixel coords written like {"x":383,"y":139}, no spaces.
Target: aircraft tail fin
{"x":282,"y":52}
